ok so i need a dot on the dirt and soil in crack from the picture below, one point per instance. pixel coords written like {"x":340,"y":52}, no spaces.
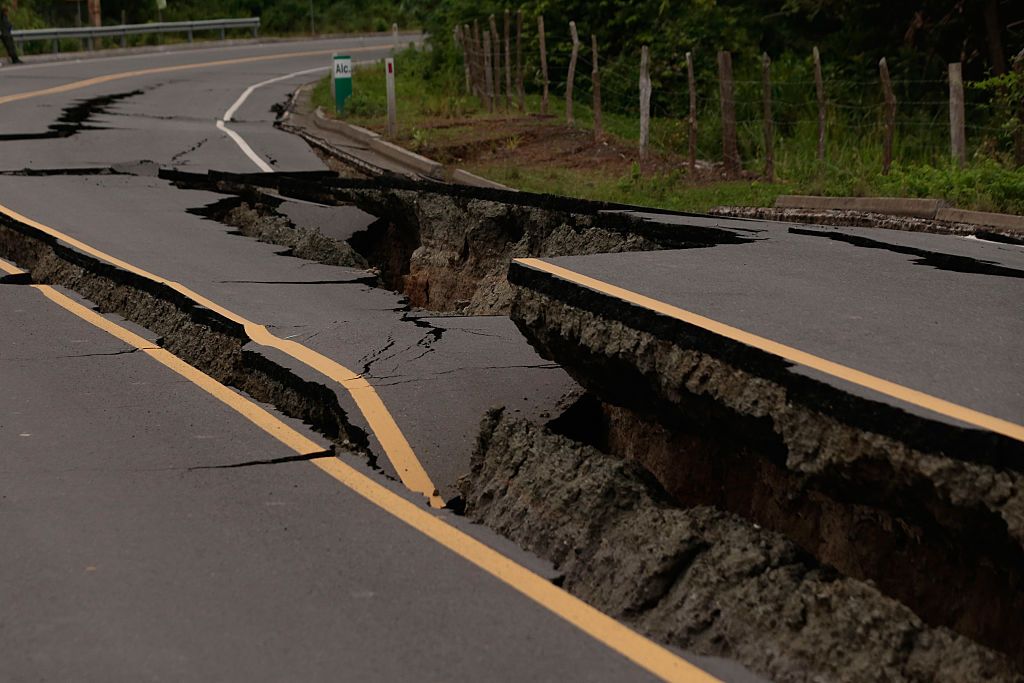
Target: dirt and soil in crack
{"x":940,"y":533}
{"x":448,"y":250}
{"x":697,"y":577}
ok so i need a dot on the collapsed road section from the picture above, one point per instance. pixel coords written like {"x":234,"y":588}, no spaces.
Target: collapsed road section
{"x":882,"y":492}
{"x":699,"y":486}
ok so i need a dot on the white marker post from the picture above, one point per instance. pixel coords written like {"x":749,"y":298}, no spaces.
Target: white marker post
{"x":389,"y":70}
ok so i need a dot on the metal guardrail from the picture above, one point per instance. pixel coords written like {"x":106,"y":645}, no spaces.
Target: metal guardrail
{"x":88,"y":34}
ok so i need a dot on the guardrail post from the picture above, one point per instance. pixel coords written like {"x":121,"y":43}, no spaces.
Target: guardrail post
{"x":223,"y":33}
{"x":124,"y":38}
{"x":190,"y":34}
{"x":56,"y":45}
{"x":88,"y":44}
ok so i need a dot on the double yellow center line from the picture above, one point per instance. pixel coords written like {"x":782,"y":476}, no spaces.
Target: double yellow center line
{"x":644,"y":653}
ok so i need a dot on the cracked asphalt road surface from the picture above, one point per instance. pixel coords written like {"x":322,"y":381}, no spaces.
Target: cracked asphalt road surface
{"x":137,"y":546}
{"x":150,"y":532}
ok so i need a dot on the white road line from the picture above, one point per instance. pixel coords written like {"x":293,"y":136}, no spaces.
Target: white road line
{"x":229,"y":114}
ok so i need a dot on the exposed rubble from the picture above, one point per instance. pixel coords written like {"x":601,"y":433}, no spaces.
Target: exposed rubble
{"x":932,"y":513}
{"x":700,"y":578}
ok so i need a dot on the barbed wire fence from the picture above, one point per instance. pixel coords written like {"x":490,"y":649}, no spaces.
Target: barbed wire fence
{"x":856,"y":116}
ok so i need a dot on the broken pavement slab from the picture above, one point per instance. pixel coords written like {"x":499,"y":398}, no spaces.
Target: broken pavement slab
{"x":840,"y":467}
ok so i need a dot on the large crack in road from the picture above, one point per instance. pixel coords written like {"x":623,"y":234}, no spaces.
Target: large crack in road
{"x":701,"y":493}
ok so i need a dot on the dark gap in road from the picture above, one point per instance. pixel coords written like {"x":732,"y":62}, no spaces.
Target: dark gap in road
{"x":366,"y":282}
{"x":933,"y":259}
{"x":257,"y":217}
{"x":991,"y":236}
{"x":17,"y":279}
{"x":446,"y":248}
{"x":451,"y":250}
{"x":305,"y":457}
{"x":45,"y":172}
{"x":74,"y":118}
{"x":185,"y":152}
{"x":201,"y":337}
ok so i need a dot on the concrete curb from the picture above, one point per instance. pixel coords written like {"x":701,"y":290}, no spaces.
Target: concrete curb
{"x":897,"y":206}
{"x":420,"y":163}
{"x":929,"y":209}
{"x":464,"y":177}
{"x":1005,"y":221}
{"x":321,"y":120}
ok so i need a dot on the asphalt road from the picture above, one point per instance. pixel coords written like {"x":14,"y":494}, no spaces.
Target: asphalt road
{"x":938,"y":314}
{"x":131,"y":552}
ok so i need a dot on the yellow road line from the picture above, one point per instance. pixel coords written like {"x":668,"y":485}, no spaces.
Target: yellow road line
{"x":392,"y":440}
{"x":882,"y":386}
{"x":628,"y":643}
{"x":107,"y":78}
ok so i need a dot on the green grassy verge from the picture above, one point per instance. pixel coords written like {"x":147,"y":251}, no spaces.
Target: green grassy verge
{"x":426,"y":93}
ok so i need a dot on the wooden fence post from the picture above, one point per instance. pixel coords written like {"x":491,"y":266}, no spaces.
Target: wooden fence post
{"x":957,"y":132}
{"x":730,"y":145}
{"x":520,"y":90}
{"x":508,"y":62}
{"x":496,"y":60}
{"x":645,"y":102}
{"x":890,"y":115}
{"x":457,"y":34}
{"x":819,"y":88}
{"x":595,"y":78}
{"x":478,"y":60}
{"x":543,"y":66}
{"x":769,"y":125}
{"x":1018,"y":135}
{"x":569,"y":118}
{"x":471,"y":53}
{"x":488,"y":73}
{"x":693,"y":111}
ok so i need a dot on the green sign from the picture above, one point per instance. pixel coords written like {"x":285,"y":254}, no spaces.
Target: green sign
{"x":342,"y":81}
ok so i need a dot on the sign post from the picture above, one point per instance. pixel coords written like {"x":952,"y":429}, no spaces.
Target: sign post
{"x":341,"y":81}
{"x":389,"y":70}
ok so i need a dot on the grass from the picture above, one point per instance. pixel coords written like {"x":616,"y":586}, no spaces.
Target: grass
{"x":427,"y":93}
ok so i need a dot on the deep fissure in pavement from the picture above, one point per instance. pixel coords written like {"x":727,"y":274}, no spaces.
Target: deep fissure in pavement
{"x":697,"y":577}
{"x":926,"y":510}
{"x":727,"y":583}
{"x":447,"y":248}
{"x":201,"y":337}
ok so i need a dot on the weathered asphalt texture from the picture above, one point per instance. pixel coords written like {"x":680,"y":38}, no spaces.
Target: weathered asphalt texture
{"x":841,"y":469}
{"x":436,"y":374}
{"x":122,"y":562}
{"x":138,"y":544}
{"x":168,"y":118}
{"x":936,"y":313}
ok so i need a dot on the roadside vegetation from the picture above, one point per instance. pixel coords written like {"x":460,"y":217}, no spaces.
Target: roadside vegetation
{"x":438,"y":118}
